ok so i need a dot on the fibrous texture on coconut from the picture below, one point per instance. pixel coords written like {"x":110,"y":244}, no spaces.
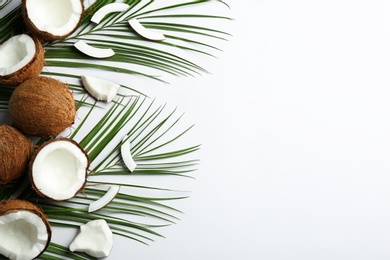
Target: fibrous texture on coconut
{"x":58,"y":169}
{"x":52,"y":20}
{"x":15,"y":152}
{"x":21,"y":58}
{"x":42,"y":106}
{"x":24,"y":230}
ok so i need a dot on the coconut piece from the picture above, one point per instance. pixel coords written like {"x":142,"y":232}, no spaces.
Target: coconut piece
{"x":105,"y":200}
{"x":15,"y":152}
{"x":126,"y":154}
{"x":52,"y":20}
{"x":99,"y":88}
{"x":24,"y":230}
{"x":107,"y":9}
{"x":144,"y":32}
{"x":42,"y":106}
{"x":95,"y":238}
{"x":58,"y":169}
{"x":21,"y":58}
{"x":93,"y":51}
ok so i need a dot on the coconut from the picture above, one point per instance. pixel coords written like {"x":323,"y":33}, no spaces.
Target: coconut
{"x":58,"y":169}
{"x":52,"y":20}
{"x":42,"y":106}
{"x":21,"y":58}
{"x":95,"y":238}
{"x":15,"y":152}
{"x":24,"y":230}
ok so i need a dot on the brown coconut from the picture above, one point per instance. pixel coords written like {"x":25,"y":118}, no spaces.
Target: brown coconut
{"x":42,"y":34}
{"x":17,"y":205}
{"x":42,"y":106}
{"x":15,"y":152}
{"x":32,"y":69}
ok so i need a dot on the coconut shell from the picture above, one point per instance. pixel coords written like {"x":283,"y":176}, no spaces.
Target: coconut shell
{"x":15,"y":152}
{"x":15,"y":205}
{"x":43,"y":34}
{"x":32,"y":69}
{"x":42,"y":106}
{"x":36,"y":152}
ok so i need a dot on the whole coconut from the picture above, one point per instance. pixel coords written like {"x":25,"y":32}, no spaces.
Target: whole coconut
{"x":15,"y":152}
{"x":42,"y":106}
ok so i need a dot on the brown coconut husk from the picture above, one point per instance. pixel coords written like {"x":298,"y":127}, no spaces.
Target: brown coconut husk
{"x":16,"y":205}
{"x":15,"y":152}
{"x":32,"y":69}
{"x":42,"y":34}
{"x":36,"y":152}
{"x":42,"y":106}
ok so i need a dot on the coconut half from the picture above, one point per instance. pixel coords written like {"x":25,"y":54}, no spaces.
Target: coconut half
{"x":95,"y":238}
{"x":107,"y":9}
{"x":100,"y":89}
{"x":93,"y":51}
{"x":52,"y":20}
{"x":15,"y":152}
{"x":58,"y":169}
{"x":126,"y":154}
{"x":145,"y":32}
{"x":24,"y":230}
{"x":21,"y":58}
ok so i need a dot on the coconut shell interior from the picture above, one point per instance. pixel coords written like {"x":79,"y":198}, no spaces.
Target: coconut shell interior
{"x":15,"y":152}
{"x":32,"y":69}
{"x":42,"y":106}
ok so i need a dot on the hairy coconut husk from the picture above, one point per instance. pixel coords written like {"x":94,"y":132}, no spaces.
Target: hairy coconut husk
{"x":42,"y":106}
{"x":36,"y":152}
{"x":15,"y":205}
{"x":42,"y":34}
{"x":32,"y":69}
{"x":15,"y":152}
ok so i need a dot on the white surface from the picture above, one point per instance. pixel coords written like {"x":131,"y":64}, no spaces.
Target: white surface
{"x":295,"y":128}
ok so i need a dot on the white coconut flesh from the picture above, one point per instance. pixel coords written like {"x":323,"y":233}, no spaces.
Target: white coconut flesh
{"x":23,"y":235}
{"x":107,"y":9}
{"x":126,"y":154}
{"x":59,"y":17}
{"x":15,"y":53}
{"x":95,"y":238}
{"x":100,"y":89}
{"x":93,"y":51}
{"x":59,"y":170}
{"x":145,"y":32}
{"x":105,"y":200}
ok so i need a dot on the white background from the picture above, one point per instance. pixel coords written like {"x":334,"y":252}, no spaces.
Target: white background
{"x":294,"y":123}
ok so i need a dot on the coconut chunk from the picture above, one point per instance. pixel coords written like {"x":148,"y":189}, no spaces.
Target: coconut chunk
{"x":52,"y":20}
{"x":95,"y":238}
{"x":58,"y":169}
{"x":93,"y":51}
{"x":100,"y":89}
{"x":126,"y":154}
{"x":105,"y":200}
{"x":144,"y":32}
{"x":24,"y":230}
{"x":107,"y":9}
